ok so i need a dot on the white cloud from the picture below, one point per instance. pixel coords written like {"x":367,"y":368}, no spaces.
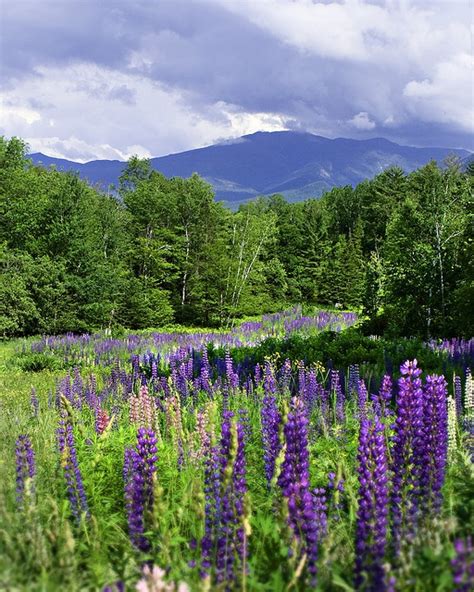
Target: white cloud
{"x":362,"y":121}
{"x":447,"y":96}
{"x":159,"y":121}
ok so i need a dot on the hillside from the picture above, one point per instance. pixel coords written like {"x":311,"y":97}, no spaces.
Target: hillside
{"x":297,"y":165}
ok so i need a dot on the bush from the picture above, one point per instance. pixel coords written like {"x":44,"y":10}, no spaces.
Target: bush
{"x":37,"y":362}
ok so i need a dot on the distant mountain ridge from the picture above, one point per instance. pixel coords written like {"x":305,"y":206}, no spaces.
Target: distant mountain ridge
{"x":296,"y":164}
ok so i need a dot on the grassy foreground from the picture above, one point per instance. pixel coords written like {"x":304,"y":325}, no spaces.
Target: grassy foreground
{"x":249,"y":464}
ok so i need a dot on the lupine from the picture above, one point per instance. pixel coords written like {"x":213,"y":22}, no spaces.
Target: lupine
{"x":34,"y":402}
{"x":385,"y":394}
{"x":271,"y":421}
{"x":294,"y":482}
{"x":338,"y":395}
{"x":224,"y":543}
{"x":139,"y":482}
{"x":407,"y":454}
{"x":452,"y":426}
{"x":72,"y":473}
{"x":143,"y":409}
{"x":435,"y":441}
{"x":102,"y":420}
{"x":463,"y":565}
{"x":25,"y":468}
{"x":372,"y":514}
{"x":362,"y":399}
{"x":458,"y":395}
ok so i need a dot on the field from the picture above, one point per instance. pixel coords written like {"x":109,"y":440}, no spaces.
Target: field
{"x":252,"y":459}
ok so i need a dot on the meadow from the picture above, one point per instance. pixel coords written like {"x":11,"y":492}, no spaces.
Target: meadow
{"x":177,"y":461}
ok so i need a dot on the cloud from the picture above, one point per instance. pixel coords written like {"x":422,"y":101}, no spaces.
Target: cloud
{"x":362,"y":121}
{"x":174,"y":75}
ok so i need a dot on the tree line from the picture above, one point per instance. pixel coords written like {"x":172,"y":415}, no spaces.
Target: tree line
{"x":398,"y":248}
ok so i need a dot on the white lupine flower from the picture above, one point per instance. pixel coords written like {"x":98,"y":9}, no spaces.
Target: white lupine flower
{"x":469,"y":394}
{"x":452,"y":422}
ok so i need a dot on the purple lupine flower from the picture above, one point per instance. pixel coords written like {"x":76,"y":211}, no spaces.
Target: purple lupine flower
{"x":205,"y":375}
{"x":232,"y":377}
{"x":258,"y":374}
{"x":463,"y":565}
{"x":271,"y":420}
{"x":321,"y":512}
{"x":435,"y":438}
{"x":285,"y":375}
{"x":372,"y":514}
{"x":362,"y":399}
{"x":354,"y":378}
{"x":294,"y":482}
{"x":139,"y":479}
{"x":312,"y":390}
{"x":72,"y":473}
{"x":34,"y":402}
{"x":212,"y":494}
{"x":223,"y":545}
{"x":231,"y":548}
{"x":338,"y":395}
{"x":25,"y":468}
{"x":458,"y":395}
{"x":385,"y":395}
{"x":407,"y":454}
{"x":269,"y":382}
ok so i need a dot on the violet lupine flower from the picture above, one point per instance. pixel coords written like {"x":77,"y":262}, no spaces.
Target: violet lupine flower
{"x":72,"y":472}
{"x":271,"y":421}
{"x":258,"y":375}
{"x":362,"y":399}
{"x":372,"y":514}
{"x":205,"y":375}
{"x":338,"y":395}
{"x":435,"y":439}
{"x":212,"y":472}
{"x":407,"y":454}
{"x":385,"y":395}
{"x":269,"y":381}
{"x":463,"y":565}
{"x":321,"y":512}
{"x":285,"y":375}
{"x":458,"y":395}
{"x":354,"y":378}
{"x":294,"y":482}
{"x":25,"y":468}
{"x":232,"y":377}
{"x":231,"y":547}
{"x":223,"y":545}
{"x":139,"y":480}
{"x":34,"y":402}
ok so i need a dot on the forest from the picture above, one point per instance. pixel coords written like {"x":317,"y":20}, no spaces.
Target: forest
{"x":154,"y":251}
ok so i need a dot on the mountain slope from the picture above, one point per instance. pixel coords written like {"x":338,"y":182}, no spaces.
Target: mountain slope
{"x":298,"y":165}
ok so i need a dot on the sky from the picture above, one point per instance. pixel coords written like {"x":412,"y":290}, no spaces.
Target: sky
{"x":106,"y":79}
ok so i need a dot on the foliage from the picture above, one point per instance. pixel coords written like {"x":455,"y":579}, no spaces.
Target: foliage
{"x":397,"y":247}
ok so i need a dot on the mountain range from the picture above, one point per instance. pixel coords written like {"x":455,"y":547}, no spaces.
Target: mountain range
{"x":295,"y":164}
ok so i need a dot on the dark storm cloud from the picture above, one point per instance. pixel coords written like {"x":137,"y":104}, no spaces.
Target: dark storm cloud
{"x":362,"y":82}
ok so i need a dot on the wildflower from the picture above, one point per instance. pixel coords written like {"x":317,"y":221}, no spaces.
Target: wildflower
{"x":372,"y":514}
{"x":153,"y":581}
{"x":294,"y":482}
{"x":435,"y":432}
{"x":139,"y":479}
{"x":271,"y":420}
{"x":407,"y":453}
{"x":25,"y":468}
{"x":463,"y":565}
{"x":72,"y":472}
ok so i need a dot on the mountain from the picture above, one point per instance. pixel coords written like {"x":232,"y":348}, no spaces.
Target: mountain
{"x":297,"y":165}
